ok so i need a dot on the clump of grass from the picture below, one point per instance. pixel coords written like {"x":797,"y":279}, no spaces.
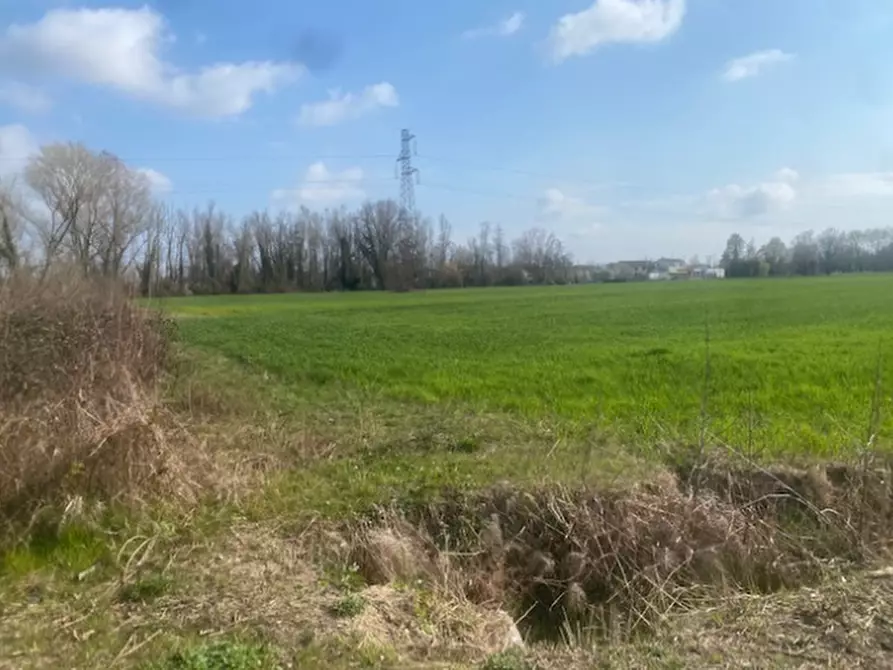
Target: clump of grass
{"x":345,"y":578}
{"x":72,"y":549}
{"x":349,"y":606}
{"x":227,"y":655}
{"x":513,"y":659}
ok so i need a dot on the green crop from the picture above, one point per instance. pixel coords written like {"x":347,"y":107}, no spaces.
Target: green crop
{"x":771,"y":365}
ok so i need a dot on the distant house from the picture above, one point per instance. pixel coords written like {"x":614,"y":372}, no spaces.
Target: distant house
{"x":630,"y":269}
{"x":663,"y":269}
{"x":669,"y":265}
{"x":668,"y":268}
{"x":707,"y":272}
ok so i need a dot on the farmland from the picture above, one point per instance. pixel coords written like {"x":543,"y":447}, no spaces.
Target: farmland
{"x":391,"y":480}
{"x":786,"y":367}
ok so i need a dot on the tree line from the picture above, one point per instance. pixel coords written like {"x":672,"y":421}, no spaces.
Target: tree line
{"x":828,"y":252}
{"x":88,"y":209}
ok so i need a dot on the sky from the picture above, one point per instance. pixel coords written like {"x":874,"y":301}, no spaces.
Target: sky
{"x":629,"y":128}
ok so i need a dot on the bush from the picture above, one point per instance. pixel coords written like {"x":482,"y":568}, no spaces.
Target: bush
{"x":79,"y":366}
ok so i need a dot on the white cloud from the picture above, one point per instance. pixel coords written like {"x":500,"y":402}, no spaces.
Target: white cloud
{"x":743,"y":202}
{"x":512,"y":24}
{"x":785,"y":204}
{"x":858,"y":184}
{"x":322,"y":186}
{"x":122,"y":49}
{"x":787,"y":175}
{"x":615,"y":21}
{"x":753,"y":64}
{"x":158,"y":182}
{"x":346,"y":106}
{"x":555,"y":204}
{"x":24,"y":98}
{"x":17,"y":145}
{"x":505,"y":28}
{"x":787,"y":188}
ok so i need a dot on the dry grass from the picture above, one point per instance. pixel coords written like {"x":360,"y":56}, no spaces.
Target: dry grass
{"x":255,"y":582}
{"x":618,"y":563}
{"x":250,"y":582}
{"x":79,"y":409}
{"x":841,"y":622}
{"x":274,"y":586}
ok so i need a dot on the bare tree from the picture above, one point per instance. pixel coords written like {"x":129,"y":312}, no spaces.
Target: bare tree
{"x":127,"y":210}
{"x":243,"y":271}
{"x":10,"y":227}
{"x":61,"y":176}
{"x":377,"y":236}
{"x":499,"y":248}
{"x":343,"y":258}
{"x":93,"y":205}
{"x":99,"y":213}
{"x":150,"y":270}
{"x":443,"y":248}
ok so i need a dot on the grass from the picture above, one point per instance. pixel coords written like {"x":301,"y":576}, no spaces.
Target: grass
{"x":507,"y":660}
{"x":221,"y":656}
{"x":307,"y":409}
{"x":348,"y":606}
{"x":792,"y":363}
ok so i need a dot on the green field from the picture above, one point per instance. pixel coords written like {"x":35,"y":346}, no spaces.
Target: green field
{"x":307,"y":435}
{"x":791,"y":366}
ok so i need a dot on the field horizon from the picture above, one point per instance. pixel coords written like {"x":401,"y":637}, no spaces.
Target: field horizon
{"x":777,"y":367}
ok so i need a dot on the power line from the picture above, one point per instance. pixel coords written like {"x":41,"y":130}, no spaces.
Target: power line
{"x":225,"y":190}
{"x":527,"y":173}
{"x":473,"y":191}
{"x":322,"y":157}
{"x":224,"y":159}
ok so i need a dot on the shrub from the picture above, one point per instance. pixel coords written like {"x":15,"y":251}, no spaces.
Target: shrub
{"x":79,"y":413}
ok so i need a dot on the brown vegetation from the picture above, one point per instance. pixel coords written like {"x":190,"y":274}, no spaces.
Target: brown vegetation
{"x":621,"y":561}
{"x":79,"y":411}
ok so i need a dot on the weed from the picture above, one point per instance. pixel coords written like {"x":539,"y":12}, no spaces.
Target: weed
{"x":349,"y":606}
{"x":73,"y":549}
{"x":227,"y":655}
{"x":512,"y":659}
{"x":345,"y":578}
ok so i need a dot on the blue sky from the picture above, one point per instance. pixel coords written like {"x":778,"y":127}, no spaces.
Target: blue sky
{"x":630,"y":128}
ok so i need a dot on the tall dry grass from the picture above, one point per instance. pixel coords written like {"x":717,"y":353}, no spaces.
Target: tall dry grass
{"x":80,"y":415}
{"x":617,"y":562}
